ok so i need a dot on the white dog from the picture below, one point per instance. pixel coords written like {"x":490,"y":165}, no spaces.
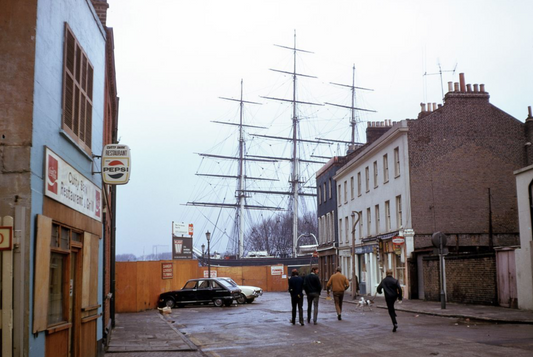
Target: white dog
{"x":363,"y":303}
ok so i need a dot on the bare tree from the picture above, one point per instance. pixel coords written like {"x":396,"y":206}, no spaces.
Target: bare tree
{"x":274,"y":234}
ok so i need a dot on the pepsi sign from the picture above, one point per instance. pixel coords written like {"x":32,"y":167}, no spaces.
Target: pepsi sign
{"x":116,"y":164}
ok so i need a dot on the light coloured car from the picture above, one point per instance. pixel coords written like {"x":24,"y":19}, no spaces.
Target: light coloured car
{"x":248,"y":293}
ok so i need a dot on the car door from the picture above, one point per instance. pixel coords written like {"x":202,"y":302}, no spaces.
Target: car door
{"x":219,"y":291}
{"x":188,"y":293}
{"x":204,"y":292}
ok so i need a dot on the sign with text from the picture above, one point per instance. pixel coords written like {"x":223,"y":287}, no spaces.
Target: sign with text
{"x":6,"y":238}
{"x":179,"y":229}
{"x":276,"y":270}
{"x":167,"y":270}
{"x":116,"y":164}
{"x":181,"y":248}
{"x":66,"y":185}
{"x":213,"y":274}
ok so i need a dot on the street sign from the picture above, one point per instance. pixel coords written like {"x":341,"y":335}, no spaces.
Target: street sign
{"x":116,"y":164}
{"x":398,"y":240}
{"x":6,"y":238}
{"x":438,"y":239}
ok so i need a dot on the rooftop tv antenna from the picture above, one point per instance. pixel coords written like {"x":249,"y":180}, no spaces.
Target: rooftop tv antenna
{"x":440,"y":72}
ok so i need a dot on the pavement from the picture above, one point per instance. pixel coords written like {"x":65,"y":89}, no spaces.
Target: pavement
{"x":150,"y":333}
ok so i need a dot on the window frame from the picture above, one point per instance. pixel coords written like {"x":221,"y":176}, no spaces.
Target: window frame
{"x":359,"y":184}
{"x":399,"y":219}
{"x":397,"y":161}
{"x":77,"y":92}
{"x":377,"y":220}
{"x":367,"y":179}
{"x":375,"y":165}
{"x":368,"y":222}
{"x":385,"y":168}
{"x":387,"y":216}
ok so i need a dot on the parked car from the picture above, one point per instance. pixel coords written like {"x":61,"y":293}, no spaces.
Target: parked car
{"x":248,"y":293}
{"x":201,"y":291}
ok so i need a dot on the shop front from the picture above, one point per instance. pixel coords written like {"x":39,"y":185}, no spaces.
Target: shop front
{"x":67,"y":296}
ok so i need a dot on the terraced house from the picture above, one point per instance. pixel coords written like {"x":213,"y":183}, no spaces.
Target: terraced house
{"x":59,"y":108}
{"x":451,"y":170}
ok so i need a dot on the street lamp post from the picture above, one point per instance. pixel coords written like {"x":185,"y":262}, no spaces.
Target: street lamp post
{"x":354,"y":279}
{"x":203,"y":256}
{"x":208,"y":236}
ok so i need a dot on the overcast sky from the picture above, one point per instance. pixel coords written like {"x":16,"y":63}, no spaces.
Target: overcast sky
{"x":174,"y":59}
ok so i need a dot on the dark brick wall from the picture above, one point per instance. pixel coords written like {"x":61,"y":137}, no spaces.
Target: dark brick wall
{"x":470,"y":279}
{"x":456,"y":154}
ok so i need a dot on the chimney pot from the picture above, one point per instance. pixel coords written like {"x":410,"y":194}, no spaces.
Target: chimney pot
{"x":422,"y":107}
{"x":450,"y":87}
{"x":462,"y":82}
{"x":482,"y":88}
{"x":456,"y":87}
{"x":468,"y":88}
{"x":476,"y":88}
{"x":529,"y":112}
{"x":434,"y":106}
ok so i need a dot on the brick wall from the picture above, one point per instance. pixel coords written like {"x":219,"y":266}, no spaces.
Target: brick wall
{"x":456,"y":154}
{"x":470,"y":279}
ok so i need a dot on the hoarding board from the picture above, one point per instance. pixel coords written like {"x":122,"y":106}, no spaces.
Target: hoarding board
{"x":181,"y":248}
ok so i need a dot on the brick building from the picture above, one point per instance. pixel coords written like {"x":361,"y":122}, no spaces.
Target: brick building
{"x":449,"y":170}
{"x":59,"y":108}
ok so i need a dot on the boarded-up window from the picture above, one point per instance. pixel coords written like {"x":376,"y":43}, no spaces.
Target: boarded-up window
{"x":42,"y":273}
{"x":89,"y":300}
{"x":77,"y":92}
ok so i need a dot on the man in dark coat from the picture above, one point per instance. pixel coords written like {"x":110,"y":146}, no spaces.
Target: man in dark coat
{"x":393,"y":291}
{"x":297,"y":296}
{"x":312,"y":287}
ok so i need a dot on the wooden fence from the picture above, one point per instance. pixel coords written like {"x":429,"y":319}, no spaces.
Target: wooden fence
{"x":138,"y":284}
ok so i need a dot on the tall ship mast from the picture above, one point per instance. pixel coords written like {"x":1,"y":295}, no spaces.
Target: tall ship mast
{"x":295,"y":178}
{"x":354,"y":119}
{"x":240,"y":193}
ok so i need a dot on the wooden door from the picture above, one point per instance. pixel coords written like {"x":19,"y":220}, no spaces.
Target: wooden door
{"x":506,"y":270}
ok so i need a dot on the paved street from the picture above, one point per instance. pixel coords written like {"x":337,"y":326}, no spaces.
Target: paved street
{"x":263,"y":329}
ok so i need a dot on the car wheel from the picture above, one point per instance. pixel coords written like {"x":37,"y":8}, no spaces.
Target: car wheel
{"x":169,"y":302}
{"x":228,"y":302}
{"x":241,"y":299}
{"x":218,"y":302}
{"x":249,"y":301}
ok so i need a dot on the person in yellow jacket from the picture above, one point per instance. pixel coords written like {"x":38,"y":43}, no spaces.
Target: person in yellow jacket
{"x":338,"y":283}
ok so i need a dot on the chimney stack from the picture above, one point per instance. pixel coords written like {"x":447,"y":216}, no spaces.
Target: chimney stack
{"x":101,"y":7}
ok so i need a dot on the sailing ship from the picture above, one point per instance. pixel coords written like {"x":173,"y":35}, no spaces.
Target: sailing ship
{"x":300,"y":194}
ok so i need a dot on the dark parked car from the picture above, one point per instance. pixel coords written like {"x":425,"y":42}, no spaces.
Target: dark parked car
{"x":201,"y":291}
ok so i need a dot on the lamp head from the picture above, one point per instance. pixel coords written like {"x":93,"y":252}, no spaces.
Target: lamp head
{"x":208,"y":236}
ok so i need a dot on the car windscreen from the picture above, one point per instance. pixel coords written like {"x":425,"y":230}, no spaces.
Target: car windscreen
{"x":225,"y":284}
{"x":230,"y":281}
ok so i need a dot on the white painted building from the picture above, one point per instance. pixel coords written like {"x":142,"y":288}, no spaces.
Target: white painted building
{"x":374,"y":198}
{"x":524,"y":255}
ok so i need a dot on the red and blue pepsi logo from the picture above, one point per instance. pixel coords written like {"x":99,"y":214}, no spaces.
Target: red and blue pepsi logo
{"x":116,"y":169}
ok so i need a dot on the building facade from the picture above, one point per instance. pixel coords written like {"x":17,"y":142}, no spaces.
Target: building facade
{"x":450,"y":171}
{"x":375,"y":208}
{"x":58,"y":94}
{"x":327,"y":216}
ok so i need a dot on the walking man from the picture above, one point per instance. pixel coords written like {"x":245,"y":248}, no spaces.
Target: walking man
{"x":393,"y":291}
{"x":297,"y":296}
{"x":338,"y":284}
{"x":312,"y":287}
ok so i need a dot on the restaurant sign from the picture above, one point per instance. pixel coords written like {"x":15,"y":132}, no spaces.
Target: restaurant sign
{"x":66,"y":185}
